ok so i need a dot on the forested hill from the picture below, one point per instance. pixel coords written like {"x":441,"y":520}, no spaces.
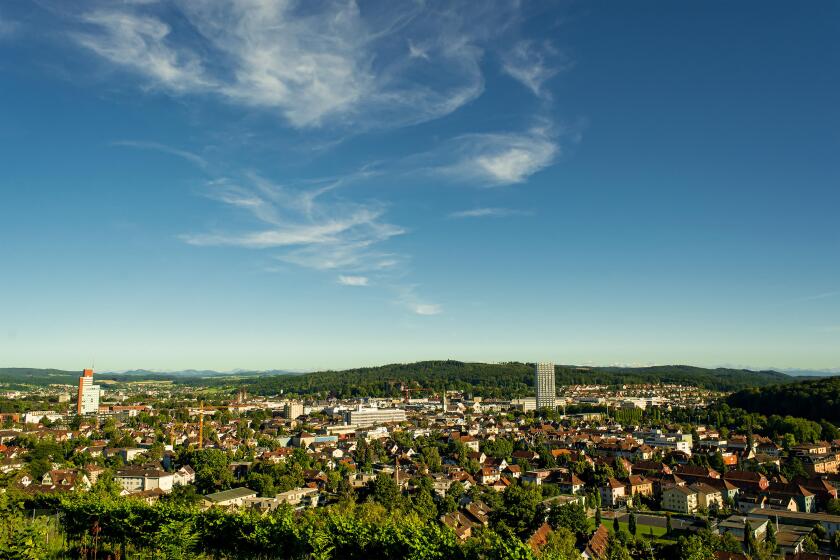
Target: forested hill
{"x":817,"y":399}
{"x":506,"y":379}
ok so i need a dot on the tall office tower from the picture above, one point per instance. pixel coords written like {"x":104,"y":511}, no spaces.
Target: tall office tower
{"x":88,"y":402}
{"x":544,"y":386}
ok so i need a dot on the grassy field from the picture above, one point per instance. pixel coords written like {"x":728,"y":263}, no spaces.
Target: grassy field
{"x":640,"y":529}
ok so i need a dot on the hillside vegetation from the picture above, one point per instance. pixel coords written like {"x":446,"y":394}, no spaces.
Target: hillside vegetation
{"x":817,"y":399}
{"x":506,"y":379}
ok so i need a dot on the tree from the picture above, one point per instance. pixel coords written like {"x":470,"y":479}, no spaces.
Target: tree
{"x":770,"y":537}
{"x":521,"y":509}
{"x":668,"y":527}
{"x":424,"y":505}
{"x":212,"y":471}
{"x":597,"y":518}
{"x":693,"y":548}
{"x":571,"y":517}
{"x":384,"y":490}
{"x":431,"y":456}
{"x":809,"y":544}
{"x":833,"y":506}
{"x":750,"y":544}
{"x":560,"y":546}
{"x":631,"y":523}
{"x":616,"y":526}
{"x":616,"y":550}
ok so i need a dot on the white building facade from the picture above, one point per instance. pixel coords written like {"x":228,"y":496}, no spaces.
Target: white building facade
{"x":544,"y":385}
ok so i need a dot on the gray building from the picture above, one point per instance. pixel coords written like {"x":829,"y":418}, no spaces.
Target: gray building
{"x":544,"y":385}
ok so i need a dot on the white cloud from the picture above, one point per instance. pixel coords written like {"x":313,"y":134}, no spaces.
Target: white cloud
{"x":427,"y":309}
{"x":528,"y":63}
{"x":503,"y":158}
{"x":408,"y":298}
{"x":353,"y":280}
{"x":313,"y":231}
{"x":488,"y":212}
{"x":140,"y":43}
{"x":328,"y":63}
{"x":184,"y":154}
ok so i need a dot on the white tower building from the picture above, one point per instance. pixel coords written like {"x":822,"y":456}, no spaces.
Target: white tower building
{"x":544,"y":385}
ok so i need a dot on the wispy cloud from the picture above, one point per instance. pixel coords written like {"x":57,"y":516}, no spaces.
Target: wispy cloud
{"x":327,"y":64}
{"x":488,"y":213}
{"x":184,"y":154}
{"x":813,"y":297}
{"x":427,"y":309}
{"x":533,"y":64}
{"x":408,"y":298}
{"x":8,"y":27}
{"x":141,"y":43}
{"x":353,"y":280}
{"x":503,"y":158}
{"x":317,"y":232}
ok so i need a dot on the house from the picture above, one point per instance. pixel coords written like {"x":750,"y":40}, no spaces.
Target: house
{"x":681,"y":499}
{"x":488,"y":475}
{"x":234,"y":497}
{"x":139,"y":479}
{"x":821,"y":464}
{"x":512,"y":471}
{"x":184,"y":475}
{"x":299,"y":496}
{"x":708,"y":497}
{"x":804,"y":498}
{"x":65,"y":479}
{"x":535,"y":477}
{"x":735,"y":525}
{"x":569,"y":483}
{"x":612,"y":492}
{"x":639,"y":485}
{"x":747,"y":480}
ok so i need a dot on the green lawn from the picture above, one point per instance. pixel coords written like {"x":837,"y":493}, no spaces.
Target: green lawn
{"x":641,"y":530}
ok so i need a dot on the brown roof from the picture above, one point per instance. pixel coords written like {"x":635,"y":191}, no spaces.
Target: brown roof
{"x":540,"y":538}
{"x":597,"y":546}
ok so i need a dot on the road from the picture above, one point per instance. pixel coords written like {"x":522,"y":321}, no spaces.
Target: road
{"x":646,"y":519}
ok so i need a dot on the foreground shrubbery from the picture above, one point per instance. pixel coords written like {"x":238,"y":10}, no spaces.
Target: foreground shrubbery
{"x":129,"y":528}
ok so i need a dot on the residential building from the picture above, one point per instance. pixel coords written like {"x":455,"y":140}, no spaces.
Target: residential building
{"x":292,"y":410}
{"x":138,"y":479}
{"x":544,"y":385}
{"x":680,"y":499}
{"x":88,"y":396}
{"x":370,"y":416}
{"x":234,"y":497}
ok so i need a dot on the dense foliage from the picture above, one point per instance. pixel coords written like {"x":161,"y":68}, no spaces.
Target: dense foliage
{"x":505,"y":379}
{"x":817,"y":399}
{"x":496,"y":380}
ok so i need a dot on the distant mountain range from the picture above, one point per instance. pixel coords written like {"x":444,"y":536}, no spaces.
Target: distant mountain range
{"x":812,"y":372}
{"x":490,"y":377}
{"x":200,"y":372}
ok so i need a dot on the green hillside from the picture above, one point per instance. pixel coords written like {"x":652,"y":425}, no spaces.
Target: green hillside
{"x":507,"y":379}
{"x":816,"y":399}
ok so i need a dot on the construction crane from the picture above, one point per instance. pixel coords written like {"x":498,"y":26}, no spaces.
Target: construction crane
{"x":201,"y":426}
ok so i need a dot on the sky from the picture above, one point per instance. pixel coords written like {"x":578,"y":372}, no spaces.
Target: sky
{"x":304,"y":185}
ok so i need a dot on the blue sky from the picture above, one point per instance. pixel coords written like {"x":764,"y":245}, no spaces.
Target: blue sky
{"x":196,"y":184}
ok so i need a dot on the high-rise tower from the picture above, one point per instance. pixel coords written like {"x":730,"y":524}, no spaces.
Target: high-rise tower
{"x":544,"y":385}
{"x":88,"y":400}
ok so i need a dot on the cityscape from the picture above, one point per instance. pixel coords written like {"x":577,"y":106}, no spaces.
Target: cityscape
{"x":419,"y":279}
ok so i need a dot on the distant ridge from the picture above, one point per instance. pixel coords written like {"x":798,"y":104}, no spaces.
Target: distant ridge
{"x":501,"y":379}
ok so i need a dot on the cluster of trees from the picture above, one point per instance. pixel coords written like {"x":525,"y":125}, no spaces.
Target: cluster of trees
{"x":496,"y":380}
{"x":817,"y":399}
{"x":107,"y":524}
